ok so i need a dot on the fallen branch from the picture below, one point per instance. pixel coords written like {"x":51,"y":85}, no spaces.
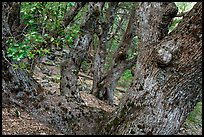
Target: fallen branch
{"x":84,"y":75}
{"x":90,"y":78}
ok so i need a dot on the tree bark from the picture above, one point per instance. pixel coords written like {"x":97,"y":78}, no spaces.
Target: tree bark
{"x":70,"y":67}
{"x":14,"y":79}
{"x":100,"y":56}
{"x":119,"y":64}
{"x":71,"y":14}
{"x":71,"y":117}
{"x":167,"y":72}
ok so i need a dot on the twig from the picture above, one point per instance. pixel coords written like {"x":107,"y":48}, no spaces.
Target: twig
{"x":22,"y":31}
{"x":6,"y":58}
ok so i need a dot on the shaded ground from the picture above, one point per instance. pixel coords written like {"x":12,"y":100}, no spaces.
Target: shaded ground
{"x":25,"y":124}
{"x":16,"y":120}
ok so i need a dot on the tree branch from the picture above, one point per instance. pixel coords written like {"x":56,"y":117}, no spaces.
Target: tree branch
{"x":72,"y":13}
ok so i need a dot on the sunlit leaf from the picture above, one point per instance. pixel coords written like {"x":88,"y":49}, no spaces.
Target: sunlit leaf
{"x":51,"y":39}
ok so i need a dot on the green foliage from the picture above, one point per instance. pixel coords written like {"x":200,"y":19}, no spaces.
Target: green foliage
{"x":174,"y":23}
{"x":182,"y":7}
{"x":48,"y":14}
{"x":26,"y":48}
{"x":195,"y":117}
{"x":16,"y":51}
{"x":113,"y":46}
{"x":22,"y":65}
{"x":41,"y":20}
{"x":125,"y":79}
{"x":72,"y":33}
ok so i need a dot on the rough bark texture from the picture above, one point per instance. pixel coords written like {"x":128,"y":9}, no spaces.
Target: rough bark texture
{"x":71,"y":66}
{"x":120,"y":62}
{"x":71,"y":14}
{"x":168,"y":70}
{"x":166,"y":73}
{"x":100,"y":56}
{"x":68,"y":116}
{"x":15,"y":79}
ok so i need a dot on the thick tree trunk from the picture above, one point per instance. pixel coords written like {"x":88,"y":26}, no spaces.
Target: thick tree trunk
{"x":166,"y":73}
{"x":168,"y":70}
{"x":68,"y":115}
{"x":70,"y":67}
{"x":99,"y":61}
{"x":14,"y":79}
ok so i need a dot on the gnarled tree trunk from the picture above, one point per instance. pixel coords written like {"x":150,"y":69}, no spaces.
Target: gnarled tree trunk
{"x":14,"y":79}
{"x":99,"y":61}
{"x":166,"y":85}
{"x":120,"y":62}
{"x":70,"y":67}
{"x":168,"y":75}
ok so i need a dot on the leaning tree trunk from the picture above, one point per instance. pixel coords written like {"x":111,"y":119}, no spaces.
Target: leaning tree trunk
{"x":14,"y":79}
{"x":70,"y":67}
{"x":69,"y":16}
{"x":168,"y":75}
{"x":100,"y":56}
{"x":119,"y":64}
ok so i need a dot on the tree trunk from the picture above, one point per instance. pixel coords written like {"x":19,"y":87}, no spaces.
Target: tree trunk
{"x":119,"y":64}
{"x":70,"y":67}
{"x":69,"y":16}
{"x":167,"y":72}
{"x":100,"y":56}
{"x":15,"y":79}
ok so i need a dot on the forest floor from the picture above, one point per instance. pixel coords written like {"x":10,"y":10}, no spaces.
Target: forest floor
{"x":17,"y":121}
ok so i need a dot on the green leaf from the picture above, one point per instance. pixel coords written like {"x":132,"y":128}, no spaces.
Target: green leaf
{"x":22,"y":65}
{"x":17,"y":58}
{"x":31,"y":55}
{"x":15,"y":45}
{"x":31,"y":22}
{"x":9,"y":55}
{"x":51,"y":39}
{"x":46,"y":35}
{"x":46,"y":51}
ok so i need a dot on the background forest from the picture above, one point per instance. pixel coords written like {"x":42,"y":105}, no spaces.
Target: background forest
{"x":42,"y":23}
